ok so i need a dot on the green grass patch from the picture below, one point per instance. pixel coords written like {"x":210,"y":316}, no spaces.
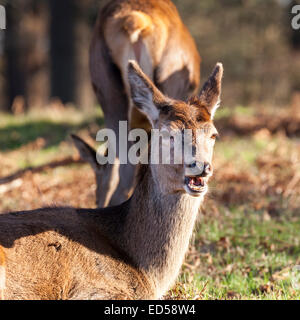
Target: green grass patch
{"x":53,"y":126}
{"x":244,"y":257}
{"x":226,"y":112}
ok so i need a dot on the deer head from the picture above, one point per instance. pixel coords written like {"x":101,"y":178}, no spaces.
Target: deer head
{"x":165,"y":114}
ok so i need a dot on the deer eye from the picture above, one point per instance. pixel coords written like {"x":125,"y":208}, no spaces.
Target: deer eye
{"x":214,"y":136}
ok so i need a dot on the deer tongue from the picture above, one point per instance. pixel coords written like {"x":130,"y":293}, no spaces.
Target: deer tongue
{"x":197,"y":181}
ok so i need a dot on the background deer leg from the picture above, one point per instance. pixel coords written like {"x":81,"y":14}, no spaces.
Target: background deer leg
{"x":110,"y":91}
{"x":126,"y":184}
{"x":127,"y":172}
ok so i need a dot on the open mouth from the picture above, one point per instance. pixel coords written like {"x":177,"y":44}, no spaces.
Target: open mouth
{"x":195,"y":185}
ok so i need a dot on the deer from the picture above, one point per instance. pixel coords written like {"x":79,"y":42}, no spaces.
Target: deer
{"x":2,"y":273}
{"x":151,"y":33}
{"x":130,"y":251}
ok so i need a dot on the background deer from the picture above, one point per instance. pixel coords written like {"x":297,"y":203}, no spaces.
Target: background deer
{"x":131,"y":251}
{"x":152,"y":33}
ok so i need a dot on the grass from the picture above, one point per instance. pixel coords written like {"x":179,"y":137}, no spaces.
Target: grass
{"x":239,"y":150}
{"x":55,"y":127}
{"x":243,"y":257}
{"x":236,"y":111}
{"x":247,"y":240}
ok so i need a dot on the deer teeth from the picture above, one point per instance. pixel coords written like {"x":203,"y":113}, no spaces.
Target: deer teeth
{"x":195,"y":184}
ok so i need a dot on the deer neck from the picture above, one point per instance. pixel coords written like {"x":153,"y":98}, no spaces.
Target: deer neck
{"x":157,"y":231}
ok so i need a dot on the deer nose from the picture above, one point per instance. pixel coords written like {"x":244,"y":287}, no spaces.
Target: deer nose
{"x":202,"y":169}
{"x":207,"y":169}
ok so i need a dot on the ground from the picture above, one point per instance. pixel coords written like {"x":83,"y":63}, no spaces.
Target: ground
{"x":246,"y":243}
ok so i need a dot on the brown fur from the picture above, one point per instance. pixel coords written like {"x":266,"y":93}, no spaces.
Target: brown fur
{"x":63,"y":253}
{"x":131,"y":251}
{"x":137,"y":23}
{"x":2,"y":273}
{"x":129,"y":29}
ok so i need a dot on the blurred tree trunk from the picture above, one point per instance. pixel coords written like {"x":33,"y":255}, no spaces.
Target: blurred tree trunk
{"x":44,"y":34}
{"x":84,"y":97}
{"x":35,"y":54}
{"x":62,"y":44}
{"x":70,"y":35}
{"x":15,"y":75}
{"x":26,"y":54}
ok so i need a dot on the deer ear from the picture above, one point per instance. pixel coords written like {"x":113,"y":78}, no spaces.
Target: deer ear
{"x":143,"y":92}
{"x":211,"y":91}
{"x":87,"y":153}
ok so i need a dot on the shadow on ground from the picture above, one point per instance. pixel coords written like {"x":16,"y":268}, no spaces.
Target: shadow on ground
{"x":15,"y":136}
